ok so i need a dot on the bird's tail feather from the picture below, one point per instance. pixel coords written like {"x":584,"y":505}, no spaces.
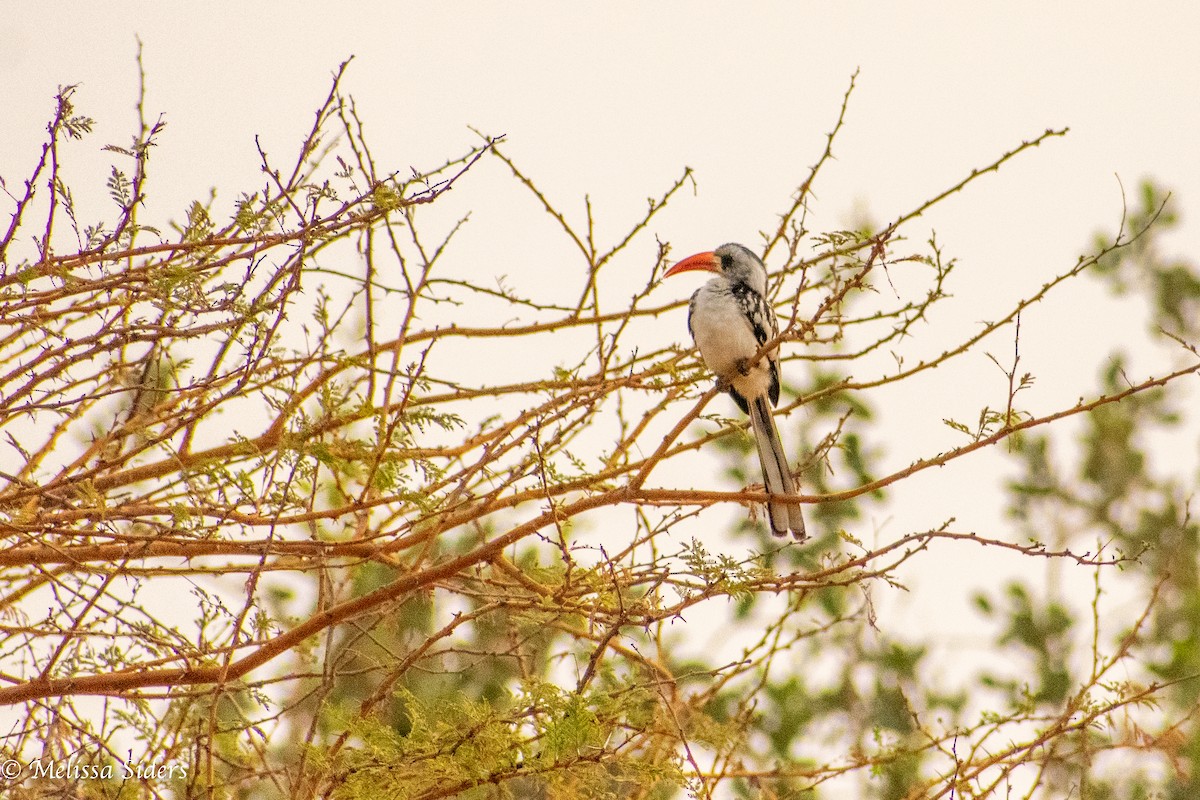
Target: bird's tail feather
{"x":777,"y":476}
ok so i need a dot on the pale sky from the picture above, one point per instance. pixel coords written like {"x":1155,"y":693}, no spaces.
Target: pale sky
{"x":614,"y":99}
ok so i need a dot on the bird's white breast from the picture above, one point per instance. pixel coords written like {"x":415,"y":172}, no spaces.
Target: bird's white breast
{"x":726,"y":339}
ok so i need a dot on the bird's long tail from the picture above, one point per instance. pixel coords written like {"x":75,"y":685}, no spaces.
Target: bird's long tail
{"x":777,"y":476}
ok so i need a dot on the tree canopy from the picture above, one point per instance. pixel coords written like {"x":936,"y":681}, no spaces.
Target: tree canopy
{"x":299,"y":503}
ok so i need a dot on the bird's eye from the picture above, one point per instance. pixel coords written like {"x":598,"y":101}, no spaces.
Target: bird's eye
{"x":726,"y":262}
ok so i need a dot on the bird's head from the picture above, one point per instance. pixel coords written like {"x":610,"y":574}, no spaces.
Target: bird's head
{"x":735,"y":262}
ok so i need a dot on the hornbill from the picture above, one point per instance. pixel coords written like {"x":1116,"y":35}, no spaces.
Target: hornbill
{"x":730,"y":320}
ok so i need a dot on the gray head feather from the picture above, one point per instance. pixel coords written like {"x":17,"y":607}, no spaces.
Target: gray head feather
{"x":740,"y":265}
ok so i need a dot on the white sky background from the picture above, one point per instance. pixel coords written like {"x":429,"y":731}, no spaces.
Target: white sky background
{"x":614,"y":99}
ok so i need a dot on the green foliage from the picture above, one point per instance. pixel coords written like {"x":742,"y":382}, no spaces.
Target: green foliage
{"x":540,"y":742}
{"x":1117,"y":494}
{"x":1044,"y":633}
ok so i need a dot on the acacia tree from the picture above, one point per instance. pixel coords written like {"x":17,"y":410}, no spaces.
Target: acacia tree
{"x":276,"y":521}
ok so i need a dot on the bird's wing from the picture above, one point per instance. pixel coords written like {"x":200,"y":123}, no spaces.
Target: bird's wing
{"x":761,"y":319}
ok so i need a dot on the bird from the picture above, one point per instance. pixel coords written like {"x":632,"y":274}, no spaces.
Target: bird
{"x":730,"y":319}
